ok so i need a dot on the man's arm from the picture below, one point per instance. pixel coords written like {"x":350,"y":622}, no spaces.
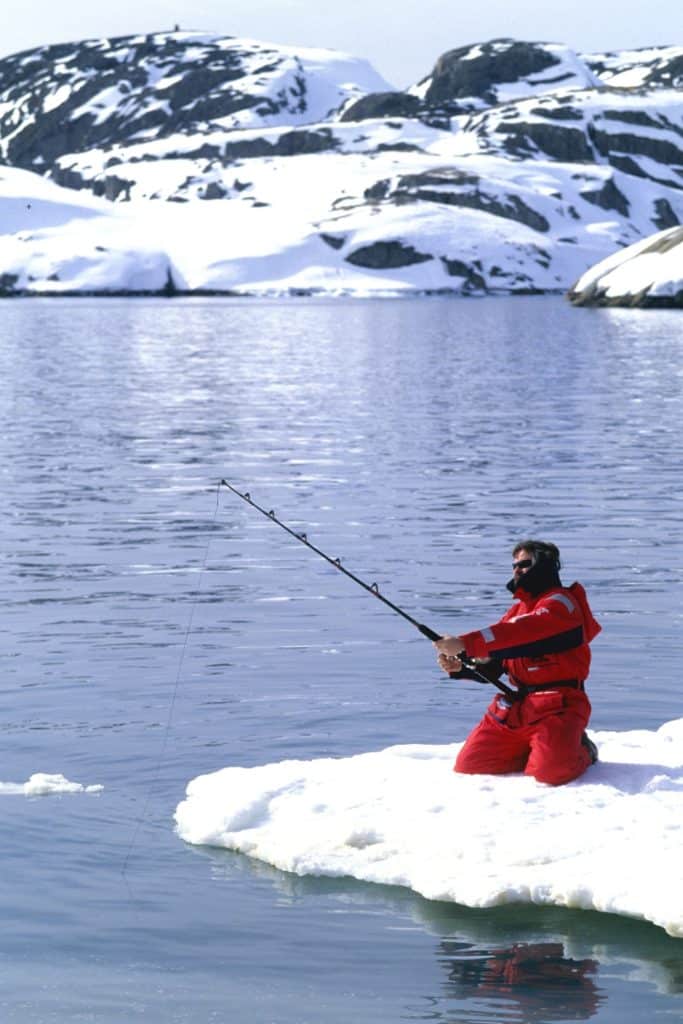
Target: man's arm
{"x":555,"y":624}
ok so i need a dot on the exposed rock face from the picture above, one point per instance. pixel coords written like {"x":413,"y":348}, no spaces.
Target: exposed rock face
{"x":603,"y":125}
{"x":8,"y":284}
{"x":658,"y":67}
{"x":662,"y":150}
{"x":458,"y":74}
{"x":387,"y":256}
{"x":457,"y":189}
{"x":607,"y":198}
{"x":474,"y":281}
{"x":485,"y":74}
{"x":664,"y":216}
{"x":382,"y":104}
{"x":561,"y":142}
{"x":71,"y":98}
{"x":648,"y":274}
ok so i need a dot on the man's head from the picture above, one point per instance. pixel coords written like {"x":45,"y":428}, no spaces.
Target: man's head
{"x":535,"y":566}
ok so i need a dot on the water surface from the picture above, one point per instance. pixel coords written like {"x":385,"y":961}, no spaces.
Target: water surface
{"x":154,"y":629}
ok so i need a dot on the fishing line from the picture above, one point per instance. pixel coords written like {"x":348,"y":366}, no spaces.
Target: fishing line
{"x":176,"y":686}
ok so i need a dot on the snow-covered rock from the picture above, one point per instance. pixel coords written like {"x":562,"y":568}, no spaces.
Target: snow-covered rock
{"x":72,"y":97}
{"x":191,"y":162}
{"x":486,"y":74}
{"x":631,"y":69}
{"x":649,"y":273}
{"x":639,"y":132}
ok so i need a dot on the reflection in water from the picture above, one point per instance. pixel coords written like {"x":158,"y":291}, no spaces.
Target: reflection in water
{"x":534,"y":981}
{"x":518,"y":963}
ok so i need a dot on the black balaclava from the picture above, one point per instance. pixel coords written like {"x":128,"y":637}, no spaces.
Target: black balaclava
{"x":543,"y":575}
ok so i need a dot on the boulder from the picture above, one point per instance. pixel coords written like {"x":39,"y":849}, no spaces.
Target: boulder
{"x":486,"y":74}
{"x":462,"y":73}
{"x":382,"y":104}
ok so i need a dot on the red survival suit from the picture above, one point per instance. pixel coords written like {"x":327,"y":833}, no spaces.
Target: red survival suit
{"x":542,"y":642}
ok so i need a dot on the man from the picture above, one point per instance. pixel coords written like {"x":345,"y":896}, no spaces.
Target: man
{"x":542,"y":644}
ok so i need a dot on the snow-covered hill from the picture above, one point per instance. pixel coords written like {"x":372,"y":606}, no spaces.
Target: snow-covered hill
{"x":103,"y":92}
{"x":512,"y":167}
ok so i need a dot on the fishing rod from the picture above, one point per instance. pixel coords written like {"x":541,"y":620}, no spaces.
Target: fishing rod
{"x":372,"y":588}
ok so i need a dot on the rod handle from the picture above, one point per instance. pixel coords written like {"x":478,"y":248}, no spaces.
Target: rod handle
{"x":431,"y":635}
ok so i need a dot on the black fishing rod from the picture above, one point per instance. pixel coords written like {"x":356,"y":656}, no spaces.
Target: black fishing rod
{"x":371,"y":588}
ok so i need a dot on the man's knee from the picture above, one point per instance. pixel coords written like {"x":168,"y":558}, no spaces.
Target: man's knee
{"x":555,"y":774}
{"x":466,"y":764}
{"x":480,"y":761}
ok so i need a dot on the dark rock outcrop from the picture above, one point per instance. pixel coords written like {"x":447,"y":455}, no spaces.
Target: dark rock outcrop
{"x":334,"y":241}
{"x":453,"y":187}
{"x":382,"y":104}
{"x":462,"y":74}
{"x":8,"y":284}
{"x":557,"y":141}
{"x":387,"y":256}
{"x":607,"y":198}
{"x":658,"y":148}
{"x":470,"y":272}
{"x":598,"y":131}
{"x":664,"y":216}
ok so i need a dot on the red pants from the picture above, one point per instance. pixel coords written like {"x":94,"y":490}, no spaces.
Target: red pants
{"x":539,"y":735}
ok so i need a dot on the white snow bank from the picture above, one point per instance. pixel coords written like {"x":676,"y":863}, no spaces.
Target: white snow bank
{"x":28,"y":201}
{"x":652,"y":267}
{"x":611,"y":841}
{"x":41,"y":784}
{"x":296,"y":224}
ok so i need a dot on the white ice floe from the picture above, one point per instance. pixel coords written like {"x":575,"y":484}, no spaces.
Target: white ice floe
{"x":42,"y":784}
{"x":610,"y":841}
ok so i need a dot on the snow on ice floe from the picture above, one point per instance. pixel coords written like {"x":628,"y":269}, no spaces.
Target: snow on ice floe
{"x":42,"y":784}
{"x":610,"y":841}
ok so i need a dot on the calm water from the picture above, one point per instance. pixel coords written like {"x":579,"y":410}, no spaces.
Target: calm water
{"x":154,"y":629}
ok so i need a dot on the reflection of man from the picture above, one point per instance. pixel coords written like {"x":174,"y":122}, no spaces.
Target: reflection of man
{"x":537,"y":981}
{"x":542,"y":644}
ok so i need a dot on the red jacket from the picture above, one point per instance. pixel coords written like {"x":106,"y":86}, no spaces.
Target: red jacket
{"x":540,"y":639}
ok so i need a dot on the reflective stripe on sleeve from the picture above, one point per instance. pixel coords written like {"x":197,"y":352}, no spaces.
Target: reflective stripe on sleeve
{"x":488,"y":635}
{"x":566,"y":601}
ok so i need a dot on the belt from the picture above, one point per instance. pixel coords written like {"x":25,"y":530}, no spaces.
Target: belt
{"x":524,"y":689}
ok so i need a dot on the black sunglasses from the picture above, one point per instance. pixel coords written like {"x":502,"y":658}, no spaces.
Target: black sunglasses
{"x":524,"y":563}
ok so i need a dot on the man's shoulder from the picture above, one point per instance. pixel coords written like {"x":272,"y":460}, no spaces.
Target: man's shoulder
{"x":568,"y":597}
